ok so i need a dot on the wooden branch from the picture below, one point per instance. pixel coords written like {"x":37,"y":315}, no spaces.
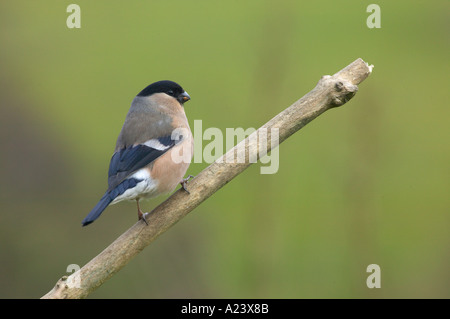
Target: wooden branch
{"x":330,"y":91}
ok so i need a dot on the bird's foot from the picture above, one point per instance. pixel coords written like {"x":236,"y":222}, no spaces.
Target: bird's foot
{"x":143,"y":216}
{"x":184,"y":181}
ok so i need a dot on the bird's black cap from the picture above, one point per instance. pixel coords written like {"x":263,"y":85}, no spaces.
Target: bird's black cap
{"x":169,"y":87}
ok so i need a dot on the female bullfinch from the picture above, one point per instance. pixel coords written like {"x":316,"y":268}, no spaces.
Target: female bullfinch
{"x":153,"y":150}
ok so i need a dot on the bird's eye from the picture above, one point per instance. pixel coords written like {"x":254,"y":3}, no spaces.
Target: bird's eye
{"x":170,"y":93}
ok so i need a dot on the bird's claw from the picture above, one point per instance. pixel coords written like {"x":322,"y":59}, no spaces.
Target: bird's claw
{"x":144,"y":217}
{"x":184,"y":181}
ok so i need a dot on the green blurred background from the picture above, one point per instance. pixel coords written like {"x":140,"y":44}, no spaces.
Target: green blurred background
{"x":362,"y":184}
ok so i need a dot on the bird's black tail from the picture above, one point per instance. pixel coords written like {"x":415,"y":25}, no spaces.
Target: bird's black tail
{"x":98,"y":209}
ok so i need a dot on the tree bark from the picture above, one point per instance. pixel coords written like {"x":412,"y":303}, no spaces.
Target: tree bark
{"x":330,"y":91}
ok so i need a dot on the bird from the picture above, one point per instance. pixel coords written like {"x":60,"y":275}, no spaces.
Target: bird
{"x":153,"y":150}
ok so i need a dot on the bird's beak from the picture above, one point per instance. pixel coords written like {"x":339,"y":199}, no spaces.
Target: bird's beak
{"x":184,"y":97}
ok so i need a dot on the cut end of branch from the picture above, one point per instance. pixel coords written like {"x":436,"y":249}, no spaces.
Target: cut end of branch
{"x":356,"y":72}
{"x":344,"y":84}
